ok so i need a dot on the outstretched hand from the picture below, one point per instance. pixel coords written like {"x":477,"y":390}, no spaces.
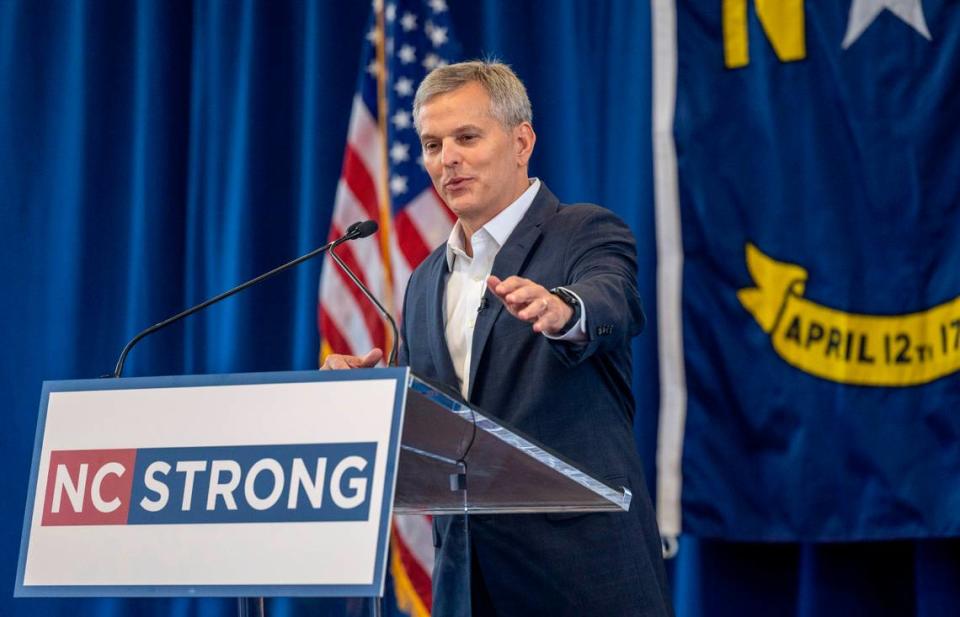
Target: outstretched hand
{"x":340,"y":362}
{"x":532,"y":303}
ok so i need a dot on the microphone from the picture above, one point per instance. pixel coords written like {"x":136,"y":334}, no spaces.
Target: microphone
{"x":367,"y":228}
{"x":360,"y":229}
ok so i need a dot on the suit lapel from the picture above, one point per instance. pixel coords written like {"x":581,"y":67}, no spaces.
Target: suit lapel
{"x":436,"y":321}
{"x":510,"y":261}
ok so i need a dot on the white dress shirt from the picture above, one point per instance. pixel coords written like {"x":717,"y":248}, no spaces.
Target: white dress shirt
{"x":468,"y":282}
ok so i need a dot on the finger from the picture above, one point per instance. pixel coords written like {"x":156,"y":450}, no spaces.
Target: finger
{"x":335,"y":362}
{"x":553,"y":320}
{"x":492,"y":283}
{"x":546,"y":323}
{"x":342,"y":362}
{"x":535,"y":309}
{"x":527,"y":293}
{"x":513,"y":309}
{"x":516,"y":310}
{"x":369,"y":360}
{"x":509,"y":284}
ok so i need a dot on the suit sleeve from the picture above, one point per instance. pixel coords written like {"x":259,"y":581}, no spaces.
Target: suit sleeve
{"x":600,"y":266}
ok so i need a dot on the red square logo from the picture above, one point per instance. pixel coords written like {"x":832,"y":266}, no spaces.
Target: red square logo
{"x":88,"y":487}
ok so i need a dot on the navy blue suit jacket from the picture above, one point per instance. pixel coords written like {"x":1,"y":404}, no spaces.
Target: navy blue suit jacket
{"x":574,"y":398}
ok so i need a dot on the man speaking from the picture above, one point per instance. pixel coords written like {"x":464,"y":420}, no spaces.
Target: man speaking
{"x":528,"y":311}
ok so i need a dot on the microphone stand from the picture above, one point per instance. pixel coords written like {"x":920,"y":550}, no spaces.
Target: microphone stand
{"x":357,"y":230}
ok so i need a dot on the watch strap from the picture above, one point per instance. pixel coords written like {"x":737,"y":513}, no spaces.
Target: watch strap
{"x":570,"y":300}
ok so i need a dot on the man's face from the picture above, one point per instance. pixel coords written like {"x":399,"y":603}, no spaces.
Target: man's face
{"x":477,"y":166}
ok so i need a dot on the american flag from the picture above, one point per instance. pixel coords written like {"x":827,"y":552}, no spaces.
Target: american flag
{"x":383,"y":179}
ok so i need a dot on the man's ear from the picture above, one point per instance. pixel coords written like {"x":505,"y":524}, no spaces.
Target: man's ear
{"x":524,"y":139}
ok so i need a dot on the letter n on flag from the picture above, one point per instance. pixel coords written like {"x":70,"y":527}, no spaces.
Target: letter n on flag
{"x":383,"y":179}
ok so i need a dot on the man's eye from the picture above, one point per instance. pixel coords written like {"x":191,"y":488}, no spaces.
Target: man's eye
{"x":467,"y":138}
{"x":430,"y":147}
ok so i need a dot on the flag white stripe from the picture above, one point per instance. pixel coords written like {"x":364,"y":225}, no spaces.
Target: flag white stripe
{"x":428,"y":217}
{"x":346,"y":212}
{"x":340,"y":306}
{"x":364,"y":137}
{"x":417,"y":533}
{"x":673,"y":393}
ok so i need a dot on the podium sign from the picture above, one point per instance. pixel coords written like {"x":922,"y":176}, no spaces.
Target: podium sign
{"x":220,"y":485}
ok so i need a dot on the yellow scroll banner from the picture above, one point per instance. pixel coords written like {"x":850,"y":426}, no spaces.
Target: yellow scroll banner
{"x":849,"y":348}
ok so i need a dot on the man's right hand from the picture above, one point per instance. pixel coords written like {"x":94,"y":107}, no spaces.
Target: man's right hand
{"x":340,"y":362}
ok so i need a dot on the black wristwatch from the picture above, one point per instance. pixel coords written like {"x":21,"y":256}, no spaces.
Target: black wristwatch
{"x":570,"y":300}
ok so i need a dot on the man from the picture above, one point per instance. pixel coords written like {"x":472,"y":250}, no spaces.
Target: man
{"x":528,"y":311}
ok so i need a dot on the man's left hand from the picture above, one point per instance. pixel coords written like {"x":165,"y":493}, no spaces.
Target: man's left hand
{"x":532,"y":303}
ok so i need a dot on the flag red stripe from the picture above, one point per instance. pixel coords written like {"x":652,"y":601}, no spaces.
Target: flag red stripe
{"x":371,"y":317}
{"x":419,"y":578}
{"x":331,"y":334}
{"x":360,"y":181}
{"x":408,"y":238}
{"x":346,"y":253}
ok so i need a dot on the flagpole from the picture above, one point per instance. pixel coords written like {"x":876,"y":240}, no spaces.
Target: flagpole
{"x":386,"y":220}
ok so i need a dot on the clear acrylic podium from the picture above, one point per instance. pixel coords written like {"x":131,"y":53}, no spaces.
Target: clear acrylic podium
{"x":457,"y":460}
{"x":454,"y":459}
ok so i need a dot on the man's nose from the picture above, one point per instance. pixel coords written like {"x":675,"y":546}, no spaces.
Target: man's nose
{"x":450,"y":154}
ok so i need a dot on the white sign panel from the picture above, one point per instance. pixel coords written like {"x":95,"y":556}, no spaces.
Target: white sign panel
{"x":241,"y":485}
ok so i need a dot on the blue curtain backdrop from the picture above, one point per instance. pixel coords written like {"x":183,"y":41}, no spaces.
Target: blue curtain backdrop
{"x":155,"y":153}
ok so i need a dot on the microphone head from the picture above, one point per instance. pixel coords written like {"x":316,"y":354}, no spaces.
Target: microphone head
{"x":364,"y":228}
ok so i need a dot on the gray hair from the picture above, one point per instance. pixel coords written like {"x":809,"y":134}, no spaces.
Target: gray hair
{"x":509,"y":102}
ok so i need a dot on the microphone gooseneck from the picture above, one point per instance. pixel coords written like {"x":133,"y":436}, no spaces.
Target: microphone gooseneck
{"x":367,"y":228}
{"x":360,"y":229}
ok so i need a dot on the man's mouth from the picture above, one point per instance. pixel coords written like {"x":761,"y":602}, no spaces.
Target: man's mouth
{"x":455,"y":184}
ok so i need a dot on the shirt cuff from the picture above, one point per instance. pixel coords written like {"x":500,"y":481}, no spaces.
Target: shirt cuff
{"x":578,"y":332}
